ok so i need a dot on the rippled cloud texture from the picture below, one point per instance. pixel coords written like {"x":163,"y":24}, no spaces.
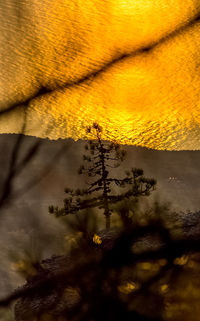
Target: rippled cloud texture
{"x":131,"y":66}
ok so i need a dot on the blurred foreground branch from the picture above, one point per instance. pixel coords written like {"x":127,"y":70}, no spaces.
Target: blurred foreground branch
{"x":104,"y":279}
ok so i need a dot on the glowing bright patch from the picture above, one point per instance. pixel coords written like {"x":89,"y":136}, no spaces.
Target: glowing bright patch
{"x":127,"y":287}
{"x":97,"y":239}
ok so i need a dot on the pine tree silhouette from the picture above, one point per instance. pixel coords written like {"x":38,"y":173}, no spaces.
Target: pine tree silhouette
{"x":101,"y":157}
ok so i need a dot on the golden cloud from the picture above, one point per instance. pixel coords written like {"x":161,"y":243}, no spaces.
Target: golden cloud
{"x":131,"y":66}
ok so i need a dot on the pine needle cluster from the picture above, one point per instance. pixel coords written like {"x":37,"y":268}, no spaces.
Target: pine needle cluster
{"x":100,"y":158}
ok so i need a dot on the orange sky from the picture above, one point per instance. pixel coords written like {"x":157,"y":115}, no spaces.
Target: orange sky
{"x":148,"y":98}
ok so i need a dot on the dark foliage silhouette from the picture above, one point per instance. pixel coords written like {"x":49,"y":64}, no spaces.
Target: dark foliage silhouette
{"x":101,"y":157}
{"x":118,"y":274}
